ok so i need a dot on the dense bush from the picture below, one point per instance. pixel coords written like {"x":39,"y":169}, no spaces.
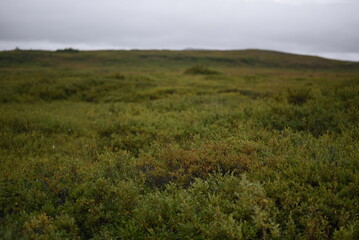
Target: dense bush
{"x":68,"y":50}
{"x":199,"y":69}
{"x":183,"y":166}
{"x":300,"y":111}
{"x":222,"y":207}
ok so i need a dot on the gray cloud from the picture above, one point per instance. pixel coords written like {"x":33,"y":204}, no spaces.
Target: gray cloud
{"x":317,"y":27}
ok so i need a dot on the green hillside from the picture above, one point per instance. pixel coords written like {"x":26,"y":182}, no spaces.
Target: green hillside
{"x":178,"y":145}
{"x":165,"y":58}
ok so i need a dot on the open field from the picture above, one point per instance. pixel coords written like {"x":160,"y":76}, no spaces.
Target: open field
{"x":178,"y":145}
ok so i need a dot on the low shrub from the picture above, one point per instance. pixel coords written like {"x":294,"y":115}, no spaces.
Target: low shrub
{"x":114,"y":145}
{"x":200,"y":70}
{"x":68,"y":50}
{"x":182,"y":166}
{"x":221,"y":207}
{"x":298,"y":96}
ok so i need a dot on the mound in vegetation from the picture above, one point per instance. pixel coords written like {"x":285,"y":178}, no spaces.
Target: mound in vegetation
{"x":68,"y":50}
{"x":200,"y":69}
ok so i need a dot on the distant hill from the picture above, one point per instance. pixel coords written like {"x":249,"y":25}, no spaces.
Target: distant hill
{"x":168,"y":58}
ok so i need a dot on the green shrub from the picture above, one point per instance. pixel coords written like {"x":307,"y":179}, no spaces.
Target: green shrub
{"x":68,"y":50}
{"x":222,"y":207}
{"x":183,"y":166}
{"x":301,"y":111}
{"x":44,"y":227}
{"x":200,"y":69}
{"x":298,"y":96}
{"x":349,"y":233}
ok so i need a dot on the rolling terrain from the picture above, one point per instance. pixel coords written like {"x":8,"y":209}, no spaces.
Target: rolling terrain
{"x":246,"y":144}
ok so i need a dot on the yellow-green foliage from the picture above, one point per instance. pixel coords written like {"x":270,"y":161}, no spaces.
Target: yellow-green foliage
{"x":142,"y":145}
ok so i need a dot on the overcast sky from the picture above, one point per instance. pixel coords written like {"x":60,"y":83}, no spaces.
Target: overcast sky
{"x":327,"y":28}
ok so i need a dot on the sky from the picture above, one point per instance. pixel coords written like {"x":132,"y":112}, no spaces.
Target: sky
{"x":328,"y":28}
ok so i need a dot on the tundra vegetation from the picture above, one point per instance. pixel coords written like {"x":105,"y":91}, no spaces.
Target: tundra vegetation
{"x":178,"y":145}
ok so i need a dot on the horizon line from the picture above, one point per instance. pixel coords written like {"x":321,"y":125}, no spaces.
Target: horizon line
{"x":179,"y":50}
